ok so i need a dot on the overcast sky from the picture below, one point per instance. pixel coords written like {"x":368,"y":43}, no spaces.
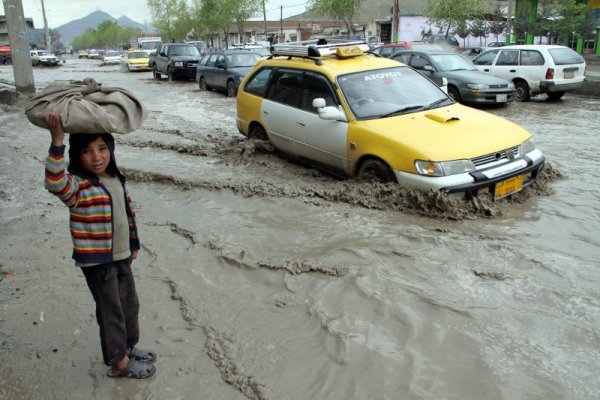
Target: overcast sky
{"x":59,"y":12}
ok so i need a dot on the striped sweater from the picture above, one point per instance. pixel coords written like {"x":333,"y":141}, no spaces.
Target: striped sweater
{"x":90,"y":208}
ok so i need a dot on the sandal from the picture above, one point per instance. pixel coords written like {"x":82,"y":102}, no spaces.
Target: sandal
{"x":142,"y":355}
{"x":135,"y":370}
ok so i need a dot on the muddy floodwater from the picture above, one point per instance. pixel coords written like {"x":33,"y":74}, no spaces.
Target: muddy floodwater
{"x":261,"y":278}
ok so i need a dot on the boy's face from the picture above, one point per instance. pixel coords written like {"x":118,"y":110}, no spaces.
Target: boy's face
{"x":95,"y":157}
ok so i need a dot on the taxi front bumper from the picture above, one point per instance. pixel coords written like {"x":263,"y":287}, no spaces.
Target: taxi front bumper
{"x":529,"y":166}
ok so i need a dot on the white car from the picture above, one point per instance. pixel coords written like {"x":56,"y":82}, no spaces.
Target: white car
{"x":43,"y":57}
{"x":111,"y":58}
{"x":535,"y":69}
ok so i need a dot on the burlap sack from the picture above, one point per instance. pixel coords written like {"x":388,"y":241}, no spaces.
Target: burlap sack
{"x":87,"y":107}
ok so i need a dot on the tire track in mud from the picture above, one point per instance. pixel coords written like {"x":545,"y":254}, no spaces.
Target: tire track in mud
{"x":221,"y":349}
{"x":219,"y":346}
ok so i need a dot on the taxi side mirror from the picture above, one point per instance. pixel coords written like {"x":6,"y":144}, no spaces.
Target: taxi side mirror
{"x":329,"y":113}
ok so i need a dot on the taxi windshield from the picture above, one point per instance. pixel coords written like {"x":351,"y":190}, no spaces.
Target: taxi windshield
{"x":388,"y":92}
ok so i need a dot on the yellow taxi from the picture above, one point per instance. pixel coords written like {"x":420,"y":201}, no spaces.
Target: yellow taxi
{"x":136,"y":60}
{"x":358,"y":114}
{"x":82,"y":54}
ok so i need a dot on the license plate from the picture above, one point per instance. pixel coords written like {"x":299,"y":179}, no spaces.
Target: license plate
{"x":501,"y":98}
{"x":569,"y":75}
{"x":508,"y":187}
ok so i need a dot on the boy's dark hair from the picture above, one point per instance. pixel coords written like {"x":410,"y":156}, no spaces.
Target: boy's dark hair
{"x":78,"y":142}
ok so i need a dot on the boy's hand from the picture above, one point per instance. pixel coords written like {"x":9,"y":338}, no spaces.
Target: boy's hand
{"x":55,"y":127}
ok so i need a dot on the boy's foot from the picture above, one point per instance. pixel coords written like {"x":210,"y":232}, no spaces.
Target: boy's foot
{"x":134,"y":370}
{"x":142,"y":355}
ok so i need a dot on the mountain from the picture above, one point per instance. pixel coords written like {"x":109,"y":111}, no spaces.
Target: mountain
{"x":72,"y":29}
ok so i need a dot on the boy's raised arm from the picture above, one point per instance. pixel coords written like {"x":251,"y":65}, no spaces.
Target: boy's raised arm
{"x":55,"y":127}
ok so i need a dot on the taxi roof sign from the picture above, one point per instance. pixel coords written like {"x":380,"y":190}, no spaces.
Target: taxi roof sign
{"x":311,"y":48}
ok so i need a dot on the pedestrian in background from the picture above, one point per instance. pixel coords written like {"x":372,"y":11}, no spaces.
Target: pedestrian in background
{"x":105,"y":241}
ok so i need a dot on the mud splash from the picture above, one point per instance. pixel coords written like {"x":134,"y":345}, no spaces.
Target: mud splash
{"x":368,"y":195}
{"x":12,"y":97}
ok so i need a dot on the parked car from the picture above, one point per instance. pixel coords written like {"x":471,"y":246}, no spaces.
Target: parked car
{"x":83,"y":54}
{"x":357,"y":115}
{"x":535,"y":69}
{"x":441,"y":40}
{"x":256,"y":48}
{"x":111,"y":57}
{"x":176,"y":60}
{"x":93,"y":54}
{"x":465,"y":83}
{"x":472,"y":52}
{"x":43,"y":57}
{"x":387,"y":50}
{"x":223,"y":70}
{"x":200,"y":45}
{"x":136,"y":60}
{"x":496,"y":44}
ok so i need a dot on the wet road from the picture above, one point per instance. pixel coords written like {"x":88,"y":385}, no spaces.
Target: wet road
{"x":309,"y":287}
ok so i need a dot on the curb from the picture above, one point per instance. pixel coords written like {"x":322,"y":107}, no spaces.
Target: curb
{"x":590,"y":88}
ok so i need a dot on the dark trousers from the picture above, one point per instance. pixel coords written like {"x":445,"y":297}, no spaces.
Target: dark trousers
{"x":117,"y":307}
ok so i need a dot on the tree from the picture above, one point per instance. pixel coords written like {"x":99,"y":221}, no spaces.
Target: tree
{"x":572,"y":16}
{"x":173,"y":18}
{"x":107,"y":34}
{"x":479,"y":28}
{"x":448,"y":14}
{"x":341,"y":10}
{"x":55,"y":41}
{"x":462,"y":30}
{"x":497,"y":24}
{"x":243,"y":11}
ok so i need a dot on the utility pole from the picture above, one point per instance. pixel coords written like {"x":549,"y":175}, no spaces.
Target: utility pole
{"x":46,"y":31}
{"x":265,"y":17}
{"x":395,"y":22}
{"x":19,"y":47}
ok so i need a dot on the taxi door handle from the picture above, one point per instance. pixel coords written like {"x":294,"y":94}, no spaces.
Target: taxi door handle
{"x":266,"y":112}
{"x":487,"y":70}
{"x":513,"y":70}
{"x":300,"y":124}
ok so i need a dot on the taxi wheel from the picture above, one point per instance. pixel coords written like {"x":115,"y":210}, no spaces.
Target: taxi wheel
{"x":257,"y":132}
{"x":376,"y":170}
{"x":170,"y":76}
{"x":231,"y":92}
{"x":522,"y":91}
{"x":155,"y":73}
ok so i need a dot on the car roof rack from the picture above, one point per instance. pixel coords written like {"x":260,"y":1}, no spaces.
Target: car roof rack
{"x":320,"y":47}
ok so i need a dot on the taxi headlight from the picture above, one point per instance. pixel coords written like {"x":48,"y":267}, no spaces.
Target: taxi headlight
{"x":477,"y":86}
{"x":179,"y":63}
{"x":527,"y":146}
{"x":444,"y":168}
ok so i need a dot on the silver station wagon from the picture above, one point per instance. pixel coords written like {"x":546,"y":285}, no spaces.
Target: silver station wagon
{"x":535,"y":69}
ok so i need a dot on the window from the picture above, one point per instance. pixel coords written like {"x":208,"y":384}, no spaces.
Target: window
{"x":418,"y":61}
{"x":486,"y":58}
{"x":258,"y":84}
{"x":565,"y":56}
{"x":211,"y":60}
{"x":508,"y":57}
{"x":316,"y":86}
{"x":385,"y":52}
{"x":531,"y":57}
{"x":286,"y":88}
{"x":403,"y":58}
